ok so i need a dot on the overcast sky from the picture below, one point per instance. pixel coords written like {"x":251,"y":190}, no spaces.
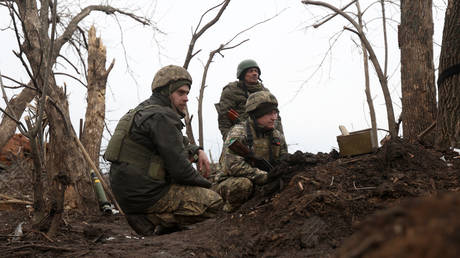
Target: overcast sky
{"x":317,"y":90}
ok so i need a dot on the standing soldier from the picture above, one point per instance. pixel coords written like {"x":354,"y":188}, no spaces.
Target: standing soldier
{"x":231,"y":107}
{"x":151,"y":175}
{"x":264,"y":143}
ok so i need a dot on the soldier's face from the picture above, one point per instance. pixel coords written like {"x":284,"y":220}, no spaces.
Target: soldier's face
{"x":179,"y":97}
{"x":268,"y":120}
{"x":251,"y":76}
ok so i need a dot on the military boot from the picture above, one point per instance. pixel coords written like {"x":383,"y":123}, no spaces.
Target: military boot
{"x":141,"y":225}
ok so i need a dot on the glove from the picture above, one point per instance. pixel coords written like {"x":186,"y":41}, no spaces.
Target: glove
{"x":261,"y":177}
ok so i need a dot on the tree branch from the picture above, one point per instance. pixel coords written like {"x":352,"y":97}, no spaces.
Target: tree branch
{"x":13,"y":14}
{"x":18,"y":82}
{"x":221,"y":48}
{"x":12,"y":116}
{"x":73,"y":77}
{"x":197,"y":33}
{"x":384,"y":21}
{"x":332,"y":16}
{"x":70,"y":63}
{"x":383,"y":80}
{"x":64,"y":38}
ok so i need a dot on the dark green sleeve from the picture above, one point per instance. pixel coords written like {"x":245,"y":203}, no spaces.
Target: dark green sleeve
{"x":168,"y":140}
{"x":190,"y":149}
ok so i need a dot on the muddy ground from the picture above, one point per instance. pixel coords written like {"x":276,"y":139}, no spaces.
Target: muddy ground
{"x":402,"y":201}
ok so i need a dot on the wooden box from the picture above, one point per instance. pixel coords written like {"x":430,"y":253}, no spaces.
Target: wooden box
{"x":358,"y":142}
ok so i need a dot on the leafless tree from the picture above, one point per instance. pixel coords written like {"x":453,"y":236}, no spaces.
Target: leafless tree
{"x":357,"y":29}
{"x":40,"y":44}
{"x":418,"y":90}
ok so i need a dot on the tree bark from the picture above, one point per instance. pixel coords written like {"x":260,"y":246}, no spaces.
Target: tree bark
{"x":95,"y":110}
{"x":65,"y":159}
{"x":448,"y":119}
{"x":18,"y":104}
{"x":417,"y":69}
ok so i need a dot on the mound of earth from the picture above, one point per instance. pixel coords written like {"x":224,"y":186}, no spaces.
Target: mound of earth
{"x":316,"y":208}
{"x":428,"y":227}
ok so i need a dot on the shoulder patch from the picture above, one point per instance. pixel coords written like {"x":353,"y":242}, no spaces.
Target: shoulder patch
{"x":276,"y":141}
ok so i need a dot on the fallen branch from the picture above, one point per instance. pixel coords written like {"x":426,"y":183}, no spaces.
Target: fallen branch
{"x":427,"y":130}
{"x":13,"y":200}
{"x":363,"y":188}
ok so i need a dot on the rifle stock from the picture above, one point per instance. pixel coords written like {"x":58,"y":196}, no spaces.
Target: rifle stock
{"x":243,"y":151}
{"x":233,"y":116}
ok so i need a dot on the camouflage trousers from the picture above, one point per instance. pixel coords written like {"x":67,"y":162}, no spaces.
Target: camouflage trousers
{"x":234,"y":191}
{"x":180,"y":206}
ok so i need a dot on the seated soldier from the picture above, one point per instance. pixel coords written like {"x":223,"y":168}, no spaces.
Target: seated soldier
{"x":263,"y":141}
{"x":151,"y":175}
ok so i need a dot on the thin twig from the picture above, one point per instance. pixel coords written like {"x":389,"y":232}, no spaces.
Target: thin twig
{"x":363,"y":188}
{"x":332,"y":15}
{"x":197,"y":34}
{"x":21,"y":85}
{"x":73,"y":77}
{"x":385,"y":40}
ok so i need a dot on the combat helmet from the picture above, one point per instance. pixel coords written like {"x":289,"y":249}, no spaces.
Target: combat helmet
{"x":258,"y":98}
{"x":246,"y":64}
{"x":168,"y":74}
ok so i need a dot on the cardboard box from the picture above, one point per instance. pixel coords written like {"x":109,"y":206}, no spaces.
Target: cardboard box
{"x":358,"y":142}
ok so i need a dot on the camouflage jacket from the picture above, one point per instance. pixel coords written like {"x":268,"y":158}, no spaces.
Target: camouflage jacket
{"x":235,"y":165}
{"x":234,"y":96}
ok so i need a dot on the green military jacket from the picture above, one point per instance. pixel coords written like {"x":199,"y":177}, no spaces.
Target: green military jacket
{"x":235,"y":165}
{"x":234,"y":96}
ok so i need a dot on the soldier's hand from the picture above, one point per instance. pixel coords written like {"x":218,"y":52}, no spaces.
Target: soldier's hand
{"x":261,"y":177}
{"x":203,"y":163}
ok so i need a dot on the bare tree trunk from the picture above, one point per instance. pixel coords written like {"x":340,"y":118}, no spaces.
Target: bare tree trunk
{"x":66,"y":165}
{"x":367,"y":90}
{"x":417,"y":69}
{"x":18,"y":104}
{"x":65,"y":159}
{"x":448,"y":119}
{"x":95,"y":111}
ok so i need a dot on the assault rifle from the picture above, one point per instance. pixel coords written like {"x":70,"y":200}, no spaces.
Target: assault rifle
{"x":243,"y":151}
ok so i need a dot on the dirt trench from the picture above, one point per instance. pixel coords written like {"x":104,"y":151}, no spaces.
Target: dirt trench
{"x":323,"y":206}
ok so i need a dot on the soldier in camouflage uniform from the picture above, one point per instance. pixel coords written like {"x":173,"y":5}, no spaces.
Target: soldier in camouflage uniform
{"x":259,"y":134}
{"x":151,"y":174}
{"x":235,"y":95}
